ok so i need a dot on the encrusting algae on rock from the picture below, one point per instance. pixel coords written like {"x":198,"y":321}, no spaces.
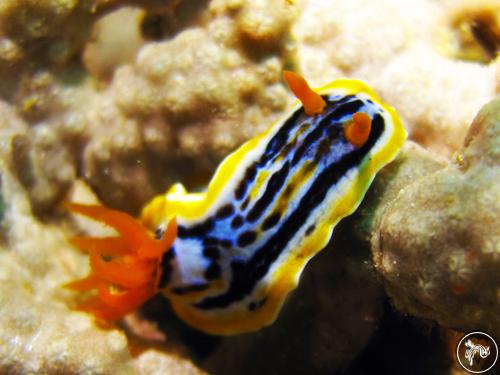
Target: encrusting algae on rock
{"x":436,"y":243}
{"x":185,"y":100}
{"x":404,"y":54}
{"x":183,"y":86}
{"x":38,"y":333}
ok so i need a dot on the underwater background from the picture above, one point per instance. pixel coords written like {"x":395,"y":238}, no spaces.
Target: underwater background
{"x":113,"y":101}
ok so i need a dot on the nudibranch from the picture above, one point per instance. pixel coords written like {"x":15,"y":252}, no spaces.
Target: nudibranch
{"x":228,"y":257}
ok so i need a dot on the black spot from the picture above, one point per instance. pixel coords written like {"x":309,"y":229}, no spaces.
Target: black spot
{"x":333,"y":132}
{"x":182,"y":232}
{"x":252,"y":306}
{"x":159,"y":233}
{"x":213,"y":271}
{"x":310,"y":229}
{"x":271,"y":221}
{"x":211,"y":252}
{"x":225,"y":211}
{"x":166,"y":268}
{"x":246,"y":238}
{"x":225,"y":244}
{"x":210,"y":241}
{"x":237,"y":222}
{"x":248,"y":178}
{"x":196,"y":231}
{"x":245,"y":203}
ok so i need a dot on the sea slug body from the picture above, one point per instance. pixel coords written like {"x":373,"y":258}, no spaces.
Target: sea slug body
{"x":227,"y":258}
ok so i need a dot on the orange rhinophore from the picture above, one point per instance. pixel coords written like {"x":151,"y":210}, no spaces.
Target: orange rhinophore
{"x":358,"y":130}
{"x":313,"y":102}
{"x":123,"y":268}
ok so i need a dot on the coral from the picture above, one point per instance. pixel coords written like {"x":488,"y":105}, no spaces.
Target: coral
{"x":412,"y":163}
{"x":10,"y":126}
{"x":37,"y":33}
{"x":38,"y":333}
{"x":404,"y":57}
{"x":153,"y":362}
{"x":112,"y":45}
{"x":435,"y":240}
{"x":35,"y":155}
{"x":41,"y":337}
{"x":263,"y":21}
{"x":474,"y":30}
{"x":174,"y":111}
{"x":11,"y":55}
{"x":36,"y":27}
{"x":183,"y":98}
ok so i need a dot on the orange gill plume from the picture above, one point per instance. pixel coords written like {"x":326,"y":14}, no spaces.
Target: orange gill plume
{"x":124,"y":267}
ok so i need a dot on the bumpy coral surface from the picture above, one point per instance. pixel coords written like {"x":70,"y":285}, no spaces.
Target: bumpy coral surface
{"x":187,"y":82}
{"x":408,"y":52}
{"x":38,"y":331}
{"x":201,"y":92}
{"x":435,"y":239}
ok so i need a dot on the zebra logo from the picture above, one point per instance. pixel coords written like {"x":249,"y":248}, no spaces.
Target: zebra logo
{"x":473,"y":349}
{"x":477,"y":352}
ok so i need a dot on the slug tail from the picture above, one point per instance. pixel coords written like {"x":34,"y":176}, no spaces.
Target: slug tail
{"x":123,"y":268}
